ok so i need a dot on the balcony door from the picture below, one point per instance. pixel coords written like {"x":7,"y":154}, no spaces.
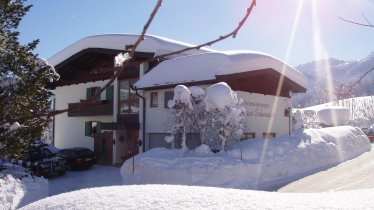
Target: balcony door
{"x":128,"y":100}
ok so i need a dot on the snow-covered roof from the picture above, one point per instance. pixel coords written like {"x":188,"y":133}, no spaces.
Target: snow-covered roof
{"x":151,"y":44}
{"x":207,"y":66}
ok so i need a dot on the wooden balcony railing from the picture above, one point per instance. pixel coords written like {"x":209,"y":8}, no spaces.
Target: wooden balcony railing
{"x":103,"y":107}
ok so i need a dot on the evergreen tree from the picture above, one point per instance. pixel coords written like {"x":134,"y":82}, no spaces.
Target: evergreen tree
{"x":24,"y":99}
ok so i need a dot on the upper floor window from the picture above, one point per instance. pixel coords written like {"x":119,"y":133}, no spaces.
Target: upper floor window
{"x":128,"y":100}
{"x":154,"y":99}
{"x":169,"y":95}
{"x":91,"y":92}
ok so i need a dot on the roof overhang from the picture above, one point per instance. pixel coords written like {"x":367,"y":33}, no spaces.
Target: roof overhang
{"x":244,"y":71}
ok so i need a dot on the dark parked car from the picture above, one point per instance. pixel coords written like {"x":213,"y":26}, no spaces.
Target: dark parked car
{"x":77,"y":158}
{"x":43,"y":163}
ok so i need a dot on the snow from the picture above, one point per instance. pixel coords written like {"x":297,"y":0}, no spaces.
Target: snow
{"x":14,"y":126}
{"x":285,"y":159}
{"x":120,"y":58}
{"x":206,"y":66}
{"x":361,"y":110}
{"x":340,"y":178}
{"x":334,"y":115}
{"x":18,"y":188}
{"x":181,"y":95}
{"x":194,"y":197}
{"x":197,"y":92}
{"x":4,"y":83}
{"x":255,"y":164}
{"x":151,"y":44}
{"x":220,"y":96}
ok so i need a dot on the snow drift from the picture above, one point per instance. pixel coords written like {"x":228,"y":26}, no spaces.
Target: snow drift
{"x":193,"y":197}
{"x":254,"y":164}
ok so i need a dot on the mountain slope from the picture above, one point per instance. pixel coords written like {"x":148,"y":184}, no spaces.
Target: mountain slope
{"x":343,"y":74}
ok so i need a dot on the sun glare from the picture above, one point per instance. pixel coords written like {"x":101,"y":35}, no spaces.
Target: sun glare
{"x":279,"y":87}
{"x":323,"y":67}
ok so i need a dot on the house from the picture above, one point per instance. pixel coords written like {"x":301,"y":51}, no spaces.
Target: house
{"x":254,"y":76}
{"x":110,"y":126}
{"x":125,"y":121}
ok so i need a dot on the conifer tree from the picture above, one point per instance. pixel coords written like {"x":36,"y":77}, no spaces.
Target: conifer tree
{"x":23,"y":80}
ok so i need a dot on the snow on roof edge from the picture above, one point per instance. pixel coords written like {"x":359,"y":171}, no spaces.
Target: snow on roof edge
{"x":208,"y":65}
{"x":155,"y":44}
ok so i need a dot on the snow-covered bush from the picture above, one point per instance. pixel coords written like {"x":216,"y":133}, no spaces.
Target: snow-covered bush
{"x":217,"y":115}
{"x":305,"y":119}
{"x":225,"y":117}
{"x":363,"y":111}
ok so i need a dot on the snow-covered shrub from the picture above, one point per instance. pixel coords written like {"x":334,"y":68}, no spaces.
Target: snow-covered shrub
{"x":217,"y":115}
{"x":181,"y":111}
{"x":225,"y":117}
{"x":363,"y":111}
{"x":305,"y":119}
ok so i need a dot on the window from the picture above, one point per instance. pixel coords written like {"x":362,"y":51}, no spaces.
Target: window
{"x":287,"y":112}
{"x":128,"y":100}
{"x":92,"y":127}
{"x":91,"y":92}
{"x":250,"y":135}
{"x":268,"y":135}
{"x":109,"y":92}
{"x":169,"y":95}
{"x":154,"y":99}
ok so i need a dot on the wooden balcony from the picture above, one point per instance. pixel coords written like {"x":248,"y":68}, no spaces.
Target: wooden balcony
{"x":124,"y":122}
{"x":103,"y":107}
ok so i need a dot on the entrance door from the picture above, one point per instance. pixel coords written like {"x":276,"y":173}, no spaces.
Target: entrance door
{"x":103,"y":148}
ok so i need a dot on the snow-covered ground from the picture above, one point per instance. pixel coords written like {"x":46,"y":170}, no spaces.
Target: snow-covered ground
{"x":97,"y":176}
{"x":18,"y":188}
{"x":15,"y":193}
{"x":350,"y":175}
{"x":193,"y":197}
{"x":285,"y":159}
{"x":255,"y":164}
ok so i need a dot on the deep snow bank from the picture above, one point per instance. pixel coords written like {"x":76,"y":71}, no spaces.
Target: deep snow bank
{"x":256,"y":164}
{"x":193,"y":197}
{"x":18,"y":188}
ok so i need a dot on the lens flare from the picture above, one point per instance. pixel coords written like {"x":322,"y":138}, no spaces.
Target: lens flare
{"x":323,"y":67}
{"x":279,"y":88}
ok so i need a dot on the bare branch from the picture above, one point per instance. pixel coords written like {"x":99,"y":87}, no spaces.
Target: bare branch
{"x":359,"y":80}
{"x":220,"y":38}
{"x":117,"y":73}
{"x":132,"y":53}
{"x":356,"y":23}
{"x":366,"y":19}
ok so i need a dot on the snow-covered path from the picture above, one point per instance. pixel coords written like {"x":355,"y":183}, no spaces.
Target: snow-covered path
{"x":354,"y":174}
{"x":97,"y":176}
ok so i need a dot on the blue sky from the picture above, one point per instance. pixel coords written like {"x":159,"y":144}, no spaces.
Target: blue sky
{"x":269,"y":29}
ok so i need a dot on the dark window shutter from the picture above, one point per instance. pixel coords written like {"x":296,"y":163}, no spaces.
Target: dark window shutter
{"x":168,"y":96}
{"x":97,"y":89}
{"x":98,"y":127}
{"x":109,"y":92}
{"x":87,"y":128}
{"x":88,"y":93}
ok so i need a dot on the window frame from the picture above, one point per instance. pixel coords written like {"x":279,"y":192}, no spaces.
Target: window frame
{"x":153,"y":102}
{"x":129,"y":101}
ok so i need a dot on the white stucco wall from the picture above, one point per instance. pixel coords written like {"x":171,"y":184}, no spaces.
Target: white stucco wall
{"x":265,"y":114}
{"x":69,"y":131}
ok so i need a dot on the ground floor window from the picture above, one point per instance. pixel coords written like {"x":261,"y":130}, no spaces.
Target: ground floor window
{"x":158,"y":140}
{"x":268,"y":135}
{"x":248,"y":135}
{"x":92,"y":127}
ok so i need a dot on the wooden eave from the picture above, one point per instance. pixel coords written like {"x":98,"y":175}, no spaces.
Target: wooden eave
{"x":263,"y":81}
{"x":94,"y":64}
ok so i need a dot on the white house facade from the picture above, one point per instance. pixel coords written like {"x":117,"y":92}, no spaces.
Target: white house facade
{"x":122,"y":122}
